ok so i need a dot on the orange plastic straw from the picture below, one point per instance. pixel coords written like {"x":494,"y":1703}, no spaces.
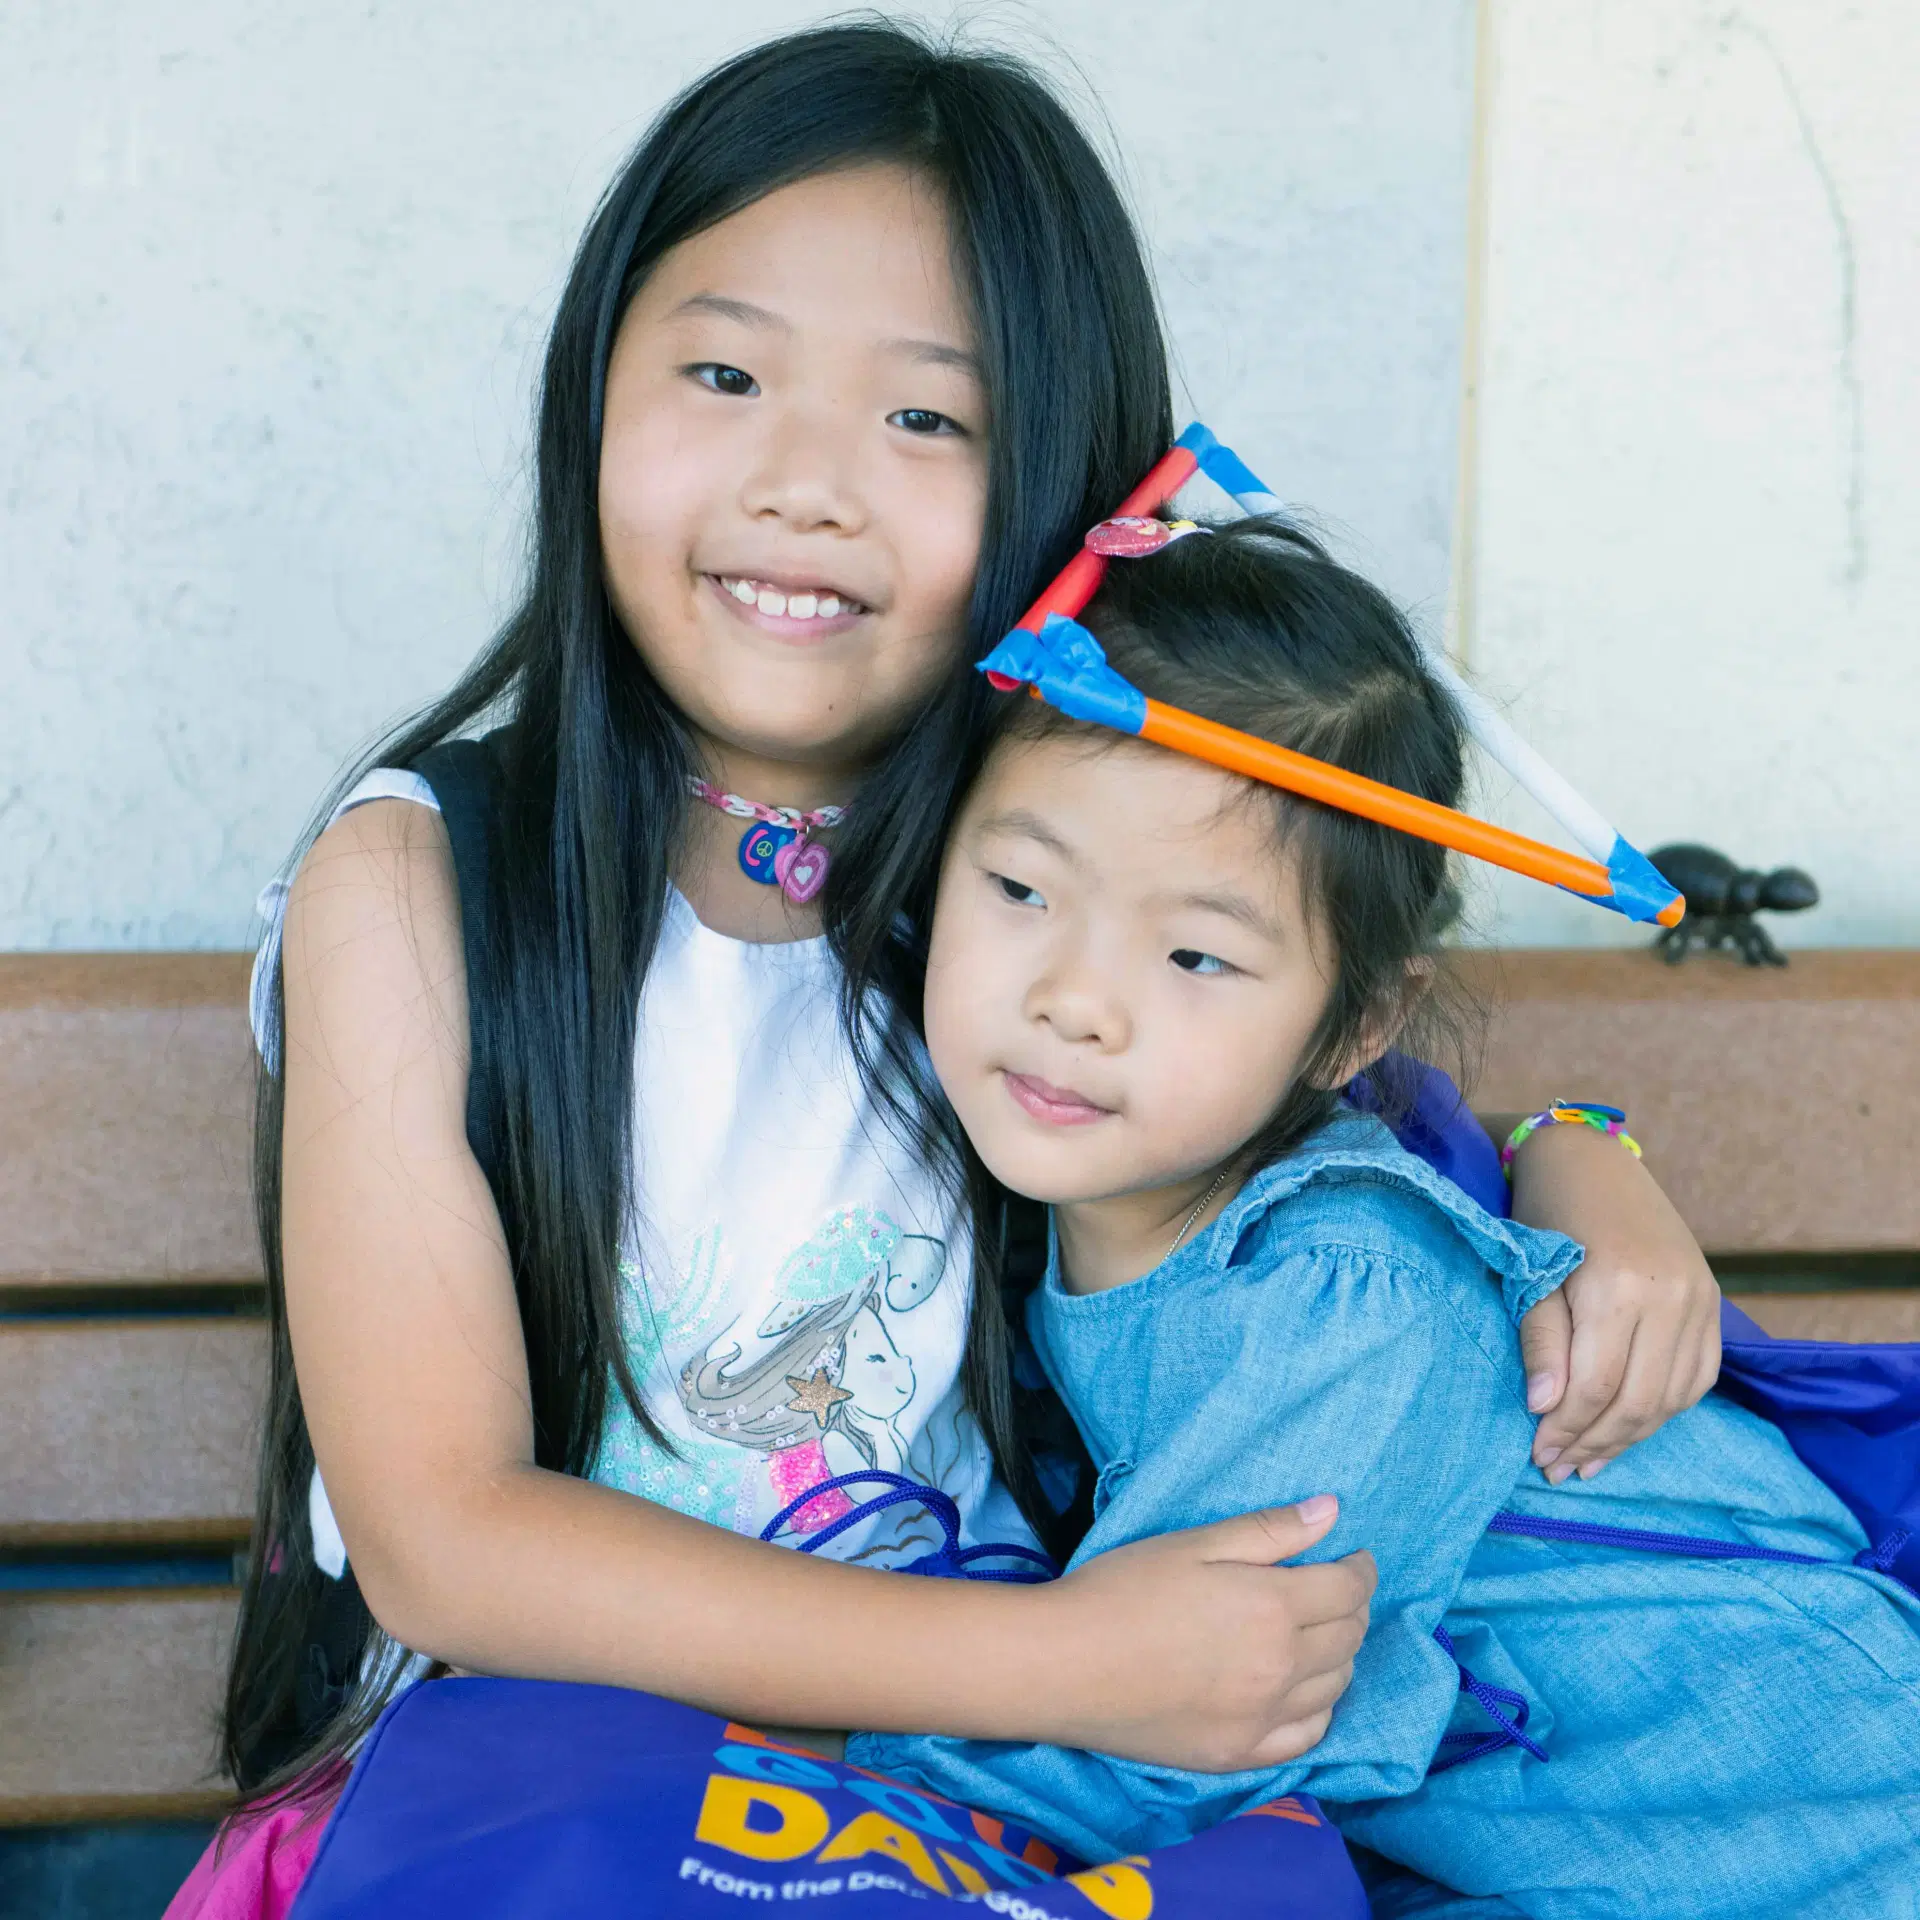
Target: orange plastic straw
{"x":1075,"y":584}
{"x":1354,"y":793}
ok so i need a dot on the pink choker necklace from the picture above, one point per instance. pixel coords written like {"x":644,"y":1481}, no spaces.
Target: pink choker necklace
{"x":778,"y":850}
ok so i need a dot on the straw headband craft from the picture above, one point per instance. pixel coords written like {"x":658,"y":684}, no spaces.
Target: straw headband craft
{"x":1060,"y":662}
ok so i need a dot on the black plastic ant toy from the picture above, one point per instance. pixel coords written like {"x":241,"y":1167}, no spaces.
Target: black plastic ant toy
{"x":1722,"y":900}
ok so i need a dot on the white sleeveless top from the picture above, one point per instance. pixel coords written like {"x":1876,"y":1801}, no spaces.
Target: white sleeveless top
{"x":797,"y":1281}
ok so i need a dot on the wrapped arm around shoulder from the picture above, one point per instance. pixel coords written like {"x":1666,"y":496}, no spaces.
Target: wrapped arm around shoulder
{"x":1634,"y":1336}
{"x":412,"y":1370}
{"x":1395,"y":1388}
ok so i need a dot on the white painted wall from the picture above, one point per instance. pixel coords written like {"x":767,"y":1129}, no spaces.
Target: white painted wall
{"x":1693,"y":564}
{"x":272,"y":287}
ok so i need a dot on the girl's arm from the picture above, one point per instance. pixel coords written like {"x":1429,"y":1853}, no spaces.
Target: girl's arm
{"x":1193,"y":1649}
{"x":1634,"y":1336}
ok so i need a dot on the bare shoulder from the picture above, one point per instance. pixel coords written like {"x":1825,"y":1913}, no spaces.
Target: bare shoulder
{"x":374,"y":857}
{"x":374,"y":977}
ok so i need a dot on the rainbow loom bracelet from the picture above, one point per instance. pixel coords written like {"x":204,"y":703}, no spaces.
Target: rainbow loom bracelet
{"x":1569,"y":1113}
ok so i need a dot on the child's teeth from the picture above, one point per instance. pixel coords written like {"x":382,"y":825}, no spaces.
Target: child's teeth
{"x":799,"y":606}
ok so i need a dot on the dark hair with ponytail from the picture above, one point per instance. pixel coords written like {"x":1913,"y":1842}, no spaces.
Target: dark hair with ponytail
{"x":594,"y":759}
{"x":1256,"y":627}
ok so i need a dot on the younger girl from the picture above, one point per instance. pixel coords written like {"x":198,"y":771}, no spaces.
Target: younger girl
{"x":1147,"y":981}
{"x":593,"y":1167}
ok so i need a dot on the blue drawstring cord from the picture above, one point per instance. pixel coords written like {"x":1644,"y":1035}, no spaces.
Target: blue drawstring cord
{"x":949,"y":1561}
{"x":1586,"y":1533}
{"x":1881,"y":1559}
{"x":1491,"y":1700}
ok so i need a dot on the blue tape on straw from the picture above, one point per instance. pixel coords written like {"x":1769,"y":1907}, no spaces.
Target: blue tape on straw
{"x":1640,"y":890}
{"x":1221,"y":464}
{"x":1070,"y":669}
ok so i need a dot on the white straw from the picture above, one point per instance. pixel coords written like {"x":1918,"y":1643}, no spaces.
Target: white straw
{"x":1490,"y":728}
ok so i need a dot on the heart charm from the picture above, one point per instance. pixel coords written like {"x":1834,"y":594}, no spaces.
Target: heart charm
{"x":801,"y":870}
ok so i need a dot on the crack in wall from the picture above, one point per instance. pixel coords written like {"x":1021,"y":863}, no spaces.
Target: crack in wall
{"x":1852,"y":401}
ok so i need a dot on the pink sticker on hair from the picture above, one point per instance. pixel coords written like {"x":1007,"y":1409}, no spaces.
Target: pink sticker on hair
{"x":1130,"y":537}
{"x":801,"y":870}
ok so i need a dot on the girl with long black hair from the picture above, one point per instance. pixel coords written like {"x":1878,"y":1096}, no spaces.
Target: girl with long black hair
{"x":594,"y":1076}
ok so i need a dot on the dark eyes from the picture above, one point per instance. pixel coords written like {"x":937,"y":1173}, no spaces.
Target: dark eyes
{"x":1191,"y":960}
{"x":737,"y":384}
{"x":732,"y":381}
{"x":923,"y":420}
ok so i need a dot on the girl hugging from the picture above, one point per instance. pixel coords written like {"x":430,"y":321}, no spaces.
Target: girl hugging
{"x":580,"y":1027}
{"x":1148,"y":982}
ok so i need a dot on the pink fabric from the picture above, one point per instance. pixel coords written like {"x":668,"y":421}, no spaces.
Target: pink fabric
{"x":256,"y":1864}
{"x":793,"y":1470}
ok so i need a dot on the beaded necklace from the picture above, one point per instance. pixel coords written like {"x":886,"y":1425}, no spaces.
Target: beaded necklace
{"x":778,"y":850}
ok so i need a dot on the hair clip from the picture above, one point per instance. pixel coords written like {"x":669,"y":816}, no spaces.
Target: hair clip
{"x":1060,"y":662}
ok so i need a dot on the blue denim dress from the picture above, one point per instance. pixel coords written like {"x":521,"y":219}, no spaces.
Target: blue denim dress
{"x":1722,"y":1738}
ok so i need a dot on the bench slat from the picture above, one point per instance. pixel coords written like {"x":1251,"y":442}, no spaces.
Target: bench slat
{"x":1875,"y":1314}
{"x":109,"y":1704}
{"x":129,"y":1430}
{"x":126,"y":1097}
{"x":1777,"y":1107}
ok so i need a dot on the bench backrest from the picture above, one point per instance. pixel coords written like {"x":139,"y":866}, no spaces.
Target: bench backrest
{"x":131,"y":1360}
{"x":1779,"y":1108}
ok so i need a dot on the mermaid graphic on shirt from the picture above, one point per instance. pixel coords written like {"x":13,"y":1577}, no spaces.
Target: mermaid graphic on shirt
{"x":823,"y":1385}
{"x":809,"y":1384}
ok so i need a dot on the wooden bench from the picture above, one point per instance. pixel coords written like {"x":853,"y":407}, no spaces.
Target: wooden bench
{"x":132,"y":1352}
{"x":1779,"y":1109}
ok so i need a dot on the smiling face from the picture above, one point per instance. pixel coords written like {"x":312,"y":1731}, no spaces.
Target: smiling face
{"x":1123,"y":978}
{"x":793,"y":477}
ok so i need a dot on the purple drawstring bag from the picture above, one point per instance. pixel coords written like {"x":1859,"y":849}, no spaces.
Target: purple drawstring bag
{"x":1852,"y":1414}
{"x":524,"y":1799}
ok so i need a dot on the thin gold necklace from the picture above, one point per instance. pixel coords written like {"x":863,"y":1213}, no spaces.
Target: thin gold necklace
{"x":1219,"y":1181}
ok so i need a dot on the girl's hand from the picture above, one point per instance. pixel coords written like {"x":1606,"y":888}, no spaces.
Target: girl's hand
{"x":1196,"y":1650}
{"x":1634,"y":1335}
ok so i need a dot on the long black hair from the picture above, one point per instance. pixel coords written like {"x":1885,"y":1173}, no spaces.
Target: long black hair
{"x":594,"y":758}
{"x":1259,"y":628}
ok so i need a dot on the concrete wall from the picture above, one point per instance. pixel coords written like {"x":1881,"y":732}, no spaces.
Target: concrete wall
{"x":1690,"y":556}
{"x":272,"y":287}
